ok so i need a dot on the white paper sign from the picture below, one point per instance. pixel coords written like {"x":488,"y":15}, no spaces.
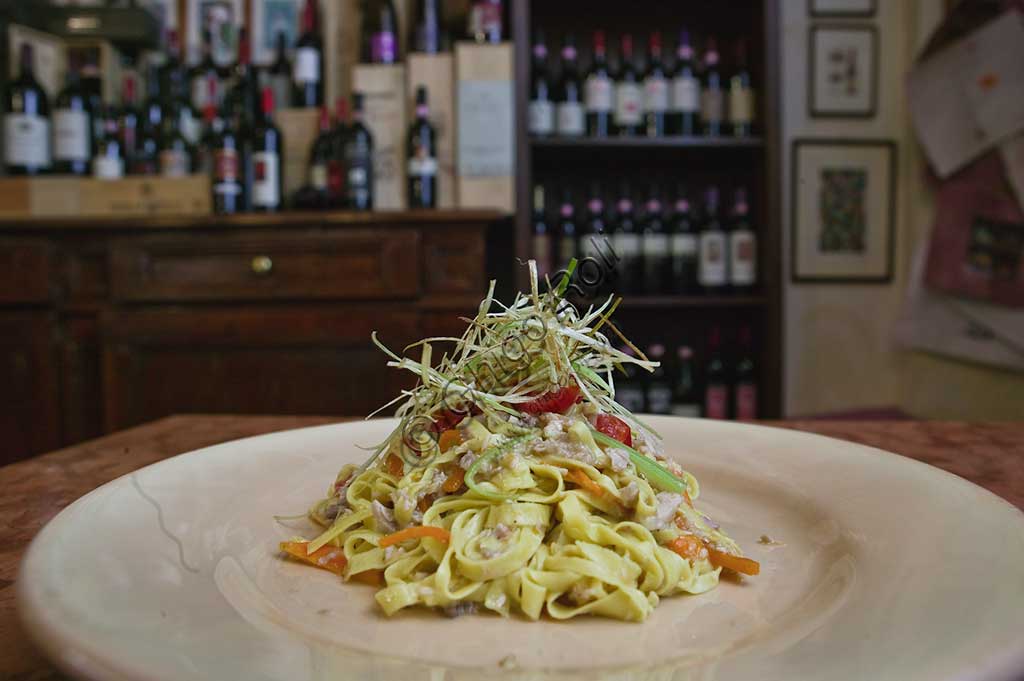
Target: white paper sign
{"x":486,"y":131}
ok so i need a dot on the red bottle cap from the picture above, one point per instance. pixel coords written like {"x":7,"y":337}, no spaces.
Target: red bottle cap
{"x":268,"y":101}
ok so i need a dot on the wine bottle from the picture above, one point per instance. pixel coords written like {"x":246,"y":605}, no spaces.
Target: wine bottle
{"x":683,"y":246}
{"x":655,"y":248}
{"x":225,"y":147}
{"x":426,"y":29}
{"x":320,"y":156}
{"x":712,"y":99}
{"x":146,"y":160}
{"x":484,"y":24}
{"x":201,"y":74}
{"x":265,"y":151}
{"x":716,"y":385}
{"x":685,"y":396}
{"x":629,"y":390}
{"x":594,"y":228}
{"x":108,"y":164}
{"x":130,"y":121}
{"x":422,"y":156}
{"x":655,"y":90}
{"x":629,"y":95}
{"x":170,"y":68}
{"x":212,"y":126}
{"x":658,"y":396}
{"x":309,"y":51}
{"x":92,"y":83}
{"x":336,"y":165}
{"x":745,"y":392}
{"x":742,"y":246}
{"x":569,"y":114}
{"x":712,"y":270}
{"x":541,"y":239}
{"x":379,"y":33}
{"x":599,"y":92}
{"x":279,"y":76}
{"x":72,"y":127}
{"x":542,"y":108}
{"x":741,"y":96}
{"x":243,"y":100}
{"x":567,"y":246}
{"x":26,"y":121}
{"x":359,"y":159}
{"x":175,"y":150}
{"x":685,"y":90}
{"x":626,"y":242}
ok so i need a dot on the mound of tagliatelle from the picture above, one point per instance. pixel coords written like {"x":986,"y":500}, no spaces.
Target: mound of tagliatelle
{"x":515,"y":483}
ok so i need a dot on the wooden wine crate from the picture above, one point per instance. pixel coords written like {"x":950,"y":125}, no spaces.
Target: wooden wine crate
{"x":436,"y":72}
{"x":485,"y":144}
{"x":55,"y":197}
{"x":383,"y":88}
{"x":299,"y":128}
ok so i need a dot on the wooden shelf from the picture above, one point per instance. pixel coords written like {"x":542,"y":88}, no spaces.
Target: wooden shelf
{"x":669,"y":142}
{"x":670,"y":301}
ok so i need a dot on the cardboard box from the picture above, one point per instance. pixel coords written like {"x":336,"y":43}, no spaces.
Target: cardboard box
{"x":485,"y":144}
{"x":299,"y":128}
{"x":56,"y":197}
{"x":436,"y":72}
{"x":383,"y":88}
{"x":48,"y":52}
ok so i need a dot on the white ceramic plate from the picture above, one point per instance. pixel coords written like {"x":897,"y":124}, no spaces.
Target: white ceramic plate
{"x":886,"y":569}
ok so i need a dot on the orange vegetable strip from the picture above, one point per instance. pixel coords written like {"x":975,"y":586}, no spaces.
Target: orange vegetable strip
{"x":415,"y":532}
{"x":424,"y":503}
{"x":744,"y":566}
{"x":687,"y":546}
{"x":454,"y":481}
{"x":449,"y":438}
{"x":689,"y":501}
{"x":371,"y":577}
{"x":393,"y":465}
{"x":583,"y":480}
{"x":330,"y":558}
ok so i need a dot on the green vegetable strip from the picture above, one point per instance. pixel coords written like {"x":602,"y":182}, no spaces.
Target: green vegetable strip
{"x":487,"y":455}
{"x":655,"y":474}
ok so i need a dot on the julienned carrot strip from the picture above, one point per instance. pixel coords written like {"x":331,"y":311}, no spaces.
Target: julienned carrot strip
{"x":744,"y":566}
{"x":689,"y":501}
{"x":393,"y":465}
{"x":687,"y":546}
{"x":449,"y":438}
{"x":453,"y":483}
{"x":415,"y":532}
{"x":371,"y":577}
{"x":329,"y":558}
{"x":583,"y":480}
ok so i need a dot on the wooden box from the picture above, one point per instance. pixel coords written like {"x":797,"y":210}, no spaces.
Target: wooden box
{"x":485,"y":145}
{"x":383,"y":88}
{"x":299,"y":128}
{"x":436,"y":72}
{"x":55,"y":197}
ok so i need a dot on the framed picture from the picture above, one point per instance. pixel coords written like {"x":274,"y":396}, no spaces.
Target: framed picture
{"x":843,"y":72}
{"x":843,"y":210}
{"x":271,"y":18}
{"x":842,"y":8}
{"x":222,"y":19}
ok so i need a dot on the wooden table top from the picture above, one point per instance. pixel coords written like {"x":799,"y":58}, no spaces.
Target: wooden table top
{"x":34,"y":491}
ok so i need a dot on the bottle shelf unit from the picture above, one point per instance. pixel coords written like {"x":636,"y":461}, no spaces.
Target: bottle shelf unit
{"x":729,"y":161}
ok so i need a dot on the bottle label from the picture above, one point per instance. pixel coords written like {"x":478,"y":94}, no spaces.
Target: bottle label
{"x":746,"y":401}
{"x":742,"y":258}
{"x":712,"y":103}
{"x":542,"y":117}
{"x":108,"y":168}
{"x":265,"y":184}
{"x":422,"y":166}
{"x":174,"y":163}
{"x":307,"y":65}
{"x":201,"y":92}
{"x":382,"y":47}
{"x":629,"y":100}
{"x":684,"y":245}
{"x":70,"y":135}
{"x":686,"y":410}
{"x":655,"y":245}
{"x":627,"y":245}
{"x":716,"y":400}
{"x":685,"y":94}
{"x":741,"y":106}
{"x":570,"y":119}
{"x":190,"y":128}
{"x":656,"y":95}
{"x":659,"y":399}
{"x":318,"y":176}
{"x":227,"y":189}
{"x":26,"y":140}
{"x":597,"y":92}
{"x":712,"y":270}
{"x":225,"y":165}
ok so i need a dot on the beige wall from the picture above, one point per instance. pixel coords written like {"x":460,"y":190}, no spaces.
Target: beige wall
{"x":839,"y":352}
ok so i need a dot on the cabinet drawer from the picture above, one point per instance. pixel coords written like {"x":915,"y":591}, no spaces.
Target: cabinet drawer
{"x":26,"y":271}
{"x":356,"y":264}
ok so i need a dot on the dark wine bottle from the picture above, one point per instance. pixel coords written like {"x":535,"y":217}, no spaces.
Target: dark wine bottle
{"x":309,"y":58}
{"x":226,"y":162}
{"x":567,"y":246}
{"x":243,"y":100}
{"x":336,"y":172}
{"x":130,"y":121}
{"x":629,"y":390}
{"x":599,"y":92}
{"x":359,"y":159}
{"x":541,"y":120}
{"x":426,"y":29}
{"x":72,"y":127}
{"x":279,"y":76}
{"x":626,"y":242}
{"x":422,"y":156}
{"x":712,"y":98}
{"x":570,"y":117}
{"x":176,"y":154}
{"x":685,"y":394}
{"x":716,"y":380}
{"x":745,"y":392}
{"x":594,"y":230}
{"x":742,"y":245}
{"x":201,"y":74}
{"x":741,"y":95}
{"x":265,"y":151}
{"x":657,"y":262}
{"x":379,"y":33}
{"x":683,"y":246}
{"x":658,"y":393}
{"x":146,"y":160}
{"x":629,"y":94}
{"x":108,"y":164}
{"x":26,"y":121}
{"x":541,"y":240}
{"x":685,"y":90}
{"x":656,"y":95}
{"x":320,"y":157}
{"x":713,"y":269}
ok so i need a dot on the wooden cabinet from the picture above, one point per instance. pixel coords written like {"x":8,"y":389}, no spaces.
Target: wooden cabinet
{"x":109,"y":325}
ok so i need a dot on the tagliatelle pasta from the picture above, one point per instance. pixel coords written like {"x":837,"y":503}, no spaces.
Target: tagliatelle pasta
{"x":538,"y":495}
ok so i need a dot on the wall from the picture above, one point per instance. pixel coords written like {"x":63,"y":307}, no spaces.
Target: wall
{"x":839,"y":352}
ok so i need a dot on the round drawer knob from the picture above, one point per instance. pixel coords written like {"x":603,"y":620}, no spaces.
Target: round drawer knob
{"x":262,"y":265}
